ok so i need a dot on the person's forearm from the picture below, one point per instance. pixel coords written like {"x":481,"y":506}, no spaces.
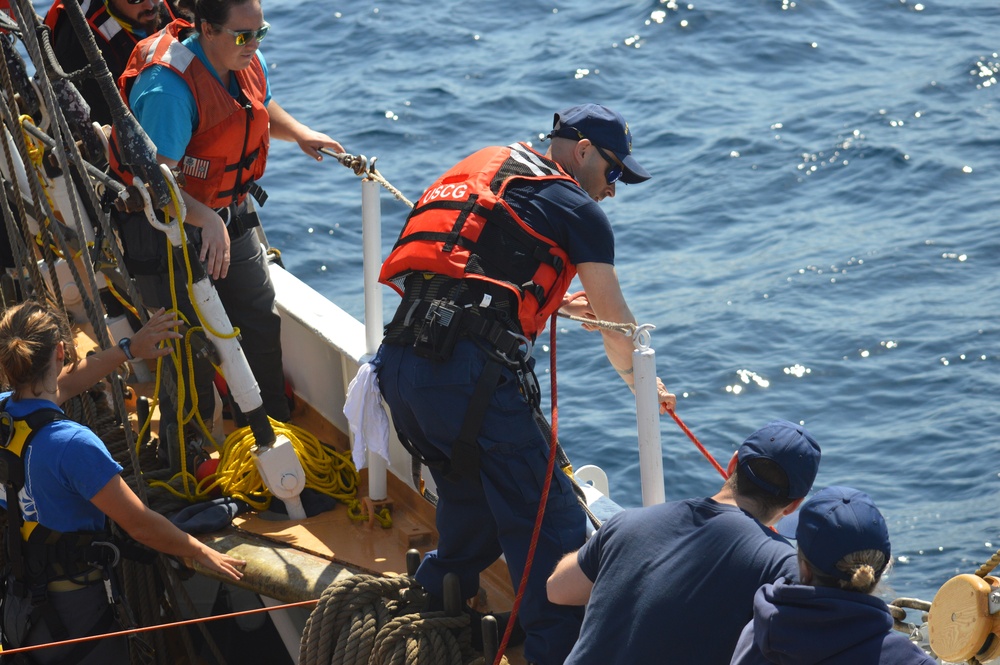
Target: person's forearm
{"x":284,"y":127}
{"x":90,"y":370}
{"x":619,"y":348}
{"x":568,"y":585}
{"x":159,"y":533}
{"x":198,"y":214}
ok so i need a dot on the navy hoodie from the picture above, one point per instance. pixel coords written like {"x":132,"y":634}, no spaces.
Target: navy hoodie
{"x":795,"y":624}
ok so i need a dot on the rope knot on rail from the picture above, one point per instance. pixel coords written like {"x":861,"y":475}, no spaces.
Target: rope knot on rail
{"x":357,"y":163}
{"x":366,"y":169}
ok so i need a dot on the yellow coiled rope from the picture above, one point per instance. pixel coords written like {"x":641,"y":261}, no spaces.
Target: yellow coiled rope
{"x":327,"y":470}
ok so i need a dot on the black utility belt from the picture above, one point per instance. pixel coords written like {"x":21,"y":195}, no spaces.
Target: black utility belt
{"x":435,"y":334}
{"x":238,"y":218}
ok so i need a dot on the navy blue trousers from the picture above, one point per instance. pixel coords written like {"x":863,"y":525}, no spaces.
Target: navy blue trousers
{"x":477,"y":522}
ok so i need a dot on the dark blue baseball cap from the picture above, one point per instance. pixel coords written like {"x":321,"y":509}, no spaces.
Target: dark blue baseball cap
{"x":791,"y":447}
{"x":604,"y":128}
{"x":838,"y":521}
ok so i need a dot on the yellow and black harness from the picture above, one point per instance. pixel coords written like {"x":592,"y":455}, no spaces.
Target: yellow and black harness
{"x":39,"y":558}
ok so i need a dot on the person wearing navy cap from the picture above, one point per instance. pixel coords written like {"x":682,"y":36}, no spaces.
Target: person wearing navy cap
{"x":607,"y":132}
{"x":484,"y":259}
{"x":674,"y":583}
{"x":831,"y":617}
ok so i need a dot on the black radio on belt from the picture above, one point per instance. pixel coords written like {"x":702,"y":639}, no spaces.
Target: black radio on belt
{"x":439,"y":331}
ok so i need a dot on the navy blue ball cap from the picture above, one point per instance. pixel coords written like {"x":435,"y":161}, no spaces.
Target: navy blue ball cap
{"x":787,"y":525}
{"x":788,"y":445}
{"x":605,"y":128}
{"x":838,"y":521}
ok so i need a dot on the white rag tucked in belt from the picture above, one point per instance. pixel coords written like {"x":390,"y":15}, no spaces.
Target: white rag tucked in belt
{"x":367,"y":420}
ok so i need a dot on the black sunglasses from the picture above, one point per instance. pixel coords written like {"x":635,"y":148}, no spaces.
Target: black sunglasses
{"x":615,"y":170}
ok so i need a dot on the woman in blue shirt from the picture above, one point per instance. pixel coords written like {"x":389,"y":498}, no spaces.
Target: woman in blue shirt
{"x":72,"y":484}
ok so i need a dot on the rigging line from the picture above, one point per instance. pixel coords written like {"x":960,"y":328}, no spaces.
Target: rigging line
{"x":9,"y":114}
{"x":92,"y":170}
{"x":362,"y":167}
{"x":624,"y":328}
{"x":60,"y":131}
{"x":629,"y":329}
{"x":694,"y":439}
{"x":160,"y":626}
{"x":62,"y":135}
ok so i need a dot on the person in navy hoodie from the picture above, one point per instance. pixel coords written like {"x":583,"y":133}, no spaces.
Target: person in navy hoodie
{"x":830,"y":618}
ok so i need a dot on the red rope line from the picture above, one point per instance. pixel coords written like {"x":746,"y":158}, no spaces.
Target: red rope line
{"x":541,"y":503}
{"x":146,"y":629}
{"x":702,"y":448}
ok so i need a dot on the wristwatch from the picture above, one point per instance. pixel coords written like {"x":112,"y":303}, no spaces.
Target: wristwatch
{"x":125,"y":344}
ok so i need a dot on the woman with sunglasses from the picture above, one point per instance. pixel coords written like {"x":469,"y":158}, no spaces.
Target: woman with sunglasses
{"x":71,"y":487}
{"x":201,"y":93}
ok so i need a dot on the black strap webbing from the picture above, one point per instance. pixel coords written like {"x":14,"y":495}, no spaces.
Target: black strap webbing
{"x":13,"y":483}
{"x":465,"y":452}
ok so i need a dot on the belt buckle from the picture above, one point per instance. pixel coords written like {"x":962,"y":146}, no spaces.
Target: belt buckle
{"x":226,"y":214}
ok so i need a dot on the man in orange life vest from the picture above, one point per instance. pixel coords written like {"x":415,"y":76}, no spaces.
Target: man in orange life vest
{"x":117,"y":26}
{"x":201,"y":93}
{"x":483,"y":260}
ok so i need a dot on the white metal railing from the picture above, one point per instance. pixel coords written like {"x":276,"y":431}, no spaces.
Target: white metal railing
{"x":647,"y":415}
{"x":371,"y":241}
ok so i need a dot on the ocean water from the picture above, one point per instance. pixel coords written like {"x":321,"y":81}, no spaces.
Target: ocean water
{"x":819,"y":241}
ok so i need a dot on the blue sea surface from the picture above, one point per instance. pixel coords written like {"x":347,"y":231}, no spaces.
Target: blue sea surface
{"x":819,"y":241}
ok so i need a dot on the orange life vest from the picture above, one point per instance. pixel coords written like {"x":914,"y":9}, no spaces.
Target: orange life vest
{"x":462,"y":227}
{"x":228,"y":149}
{"x":115,"y":42}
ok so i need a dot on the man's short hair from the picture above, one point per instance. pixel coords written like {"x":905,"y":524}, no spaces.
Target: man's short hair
{"x":745,"y":483}
{"x":791,"y":449}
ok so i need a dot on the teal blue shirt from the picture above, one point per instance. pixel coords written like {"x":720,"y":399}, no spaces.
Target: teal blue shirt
{"x":163,"y":104}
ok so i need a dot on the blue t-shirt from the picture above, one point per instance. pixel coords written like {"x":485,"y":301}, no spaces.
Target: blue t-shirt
{"x":66,"y":465}
{"x":674,"y":583}
{"x":564,"y":213}
{"x":163,"y":103}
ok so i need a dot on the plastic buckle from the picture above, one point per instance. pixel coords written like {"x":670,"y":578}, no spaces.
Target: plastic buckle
{"x":7,"y":424}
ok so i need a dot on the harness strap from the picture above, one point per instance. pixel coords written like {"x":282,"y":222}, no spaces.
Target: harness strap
{"x":12,"y":475}
{"x":456,"y":229}
{"x":250,"y":187}
{"x":465,"y":451}
{"x":496,"y":335}
{"x":57,"y":629}
{"x":246,"y":162}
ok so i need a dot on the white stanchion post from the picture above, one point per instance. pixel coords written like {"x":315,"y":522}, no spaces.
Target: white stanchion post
{"x":371,"y":241}
{"x":647,"y":413}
